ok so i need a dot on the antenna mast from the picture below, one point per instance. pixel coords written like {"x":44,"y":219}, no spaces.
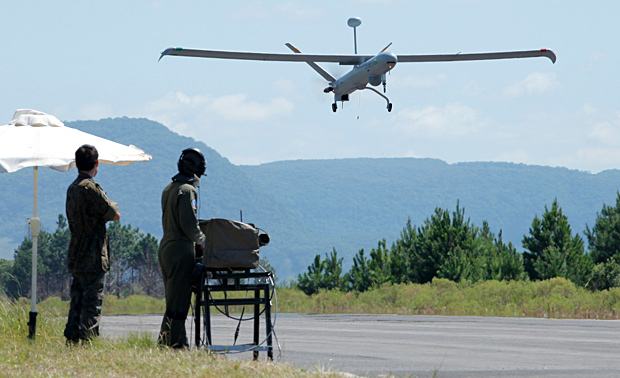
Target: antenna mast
{"x":354,"y":22}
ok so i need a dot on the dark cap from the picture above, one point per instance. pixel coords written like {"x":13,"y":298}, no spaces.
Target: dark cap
{"x":192,"y":162}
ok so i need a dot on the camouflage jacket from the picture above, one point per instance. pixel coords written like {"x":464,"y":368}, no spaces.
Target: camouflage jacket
{"x":179,"y":208}
{"x":88,"y":209}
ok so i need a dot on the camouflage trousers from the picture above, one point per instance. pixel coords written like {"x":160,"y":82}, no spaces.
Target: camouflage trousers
{"x":176,"y":260}
{"x":85,"y":307}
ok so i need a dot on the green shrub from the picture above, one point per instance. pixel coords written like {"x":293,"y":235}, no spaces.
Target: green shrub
{"x":557,"y":298}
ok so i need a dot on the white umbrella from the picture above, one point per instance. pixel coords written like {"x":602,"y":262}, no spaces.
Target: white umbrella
{"x":35,"y":139}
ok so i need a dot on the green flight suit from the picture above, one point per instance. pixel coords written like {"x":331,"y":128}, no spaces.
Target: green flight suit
{"x":88,"y":209}
{"x":176,"y":255}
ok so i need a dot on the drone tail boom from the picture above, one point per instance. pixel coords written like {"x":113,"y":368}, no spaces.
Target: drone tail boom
{"x":314,"y":66}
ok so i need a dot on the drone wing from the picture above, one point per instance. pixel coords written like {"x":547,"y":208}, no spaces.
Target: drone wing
{"x":353,"y":59}
{"x":218,"y":54}
{"x":479,"y":56}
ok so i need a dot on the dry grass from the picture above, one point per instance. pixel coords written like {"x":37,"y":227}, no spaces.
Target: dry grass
{"x":554,"y":298}
{"x":135,"y":356}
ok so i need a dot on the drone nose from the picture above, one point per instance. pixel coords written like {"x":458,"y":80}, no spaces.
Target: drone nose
{"x":391,"y":58}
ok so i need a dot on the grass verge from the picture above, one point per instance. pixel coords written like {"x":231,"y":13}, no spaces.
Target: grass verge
{"x":136,"y":356}
{"x":554,"y":298}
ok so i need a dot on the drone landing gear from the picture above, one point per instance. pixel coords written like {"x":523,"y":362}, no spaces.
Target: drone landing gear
{"x":389,"y":104}
{"x":334,"y":107}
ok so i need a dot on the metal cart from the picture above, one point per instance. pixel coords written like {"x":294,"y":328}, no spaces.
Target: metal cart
{"x":259,"y":286}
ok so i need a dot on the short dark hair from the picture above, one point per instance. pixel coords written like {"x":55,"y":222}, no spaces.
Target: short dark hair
{"x":85,"y":157}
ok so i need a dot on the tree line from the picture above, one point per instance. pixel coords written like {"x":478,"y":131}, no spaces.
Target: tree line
{"x":134,"y":266}
{"x":447,"y":245}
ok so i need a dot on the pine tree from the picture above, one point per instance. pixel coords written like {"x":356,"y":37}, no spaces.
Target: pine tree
{"x":401,"y":255}
{"x":441,"y":244}
{"x":358,"y":277}
{"x":332,"y":273}
{"x":553,"y":251}
{"x":379,"y":264}
{"x":604,"y":238}
{"x":310,"y":281}
{"x":322,"y":274}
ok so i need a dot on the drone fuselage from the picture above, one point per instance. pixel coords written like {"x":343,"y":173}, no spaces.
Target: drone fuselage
{"x":371,"y":71}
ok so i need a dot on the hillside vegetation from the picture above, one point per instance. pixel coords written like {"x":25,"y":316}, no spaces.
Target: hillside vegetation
{"x":554,"y":298}
{"x":312,"y":206}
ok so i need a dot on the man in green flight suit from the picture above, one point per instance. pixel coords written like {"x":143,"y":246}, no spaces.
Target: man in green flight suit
{"x":88,"y":209}
{"x":181,"y":239}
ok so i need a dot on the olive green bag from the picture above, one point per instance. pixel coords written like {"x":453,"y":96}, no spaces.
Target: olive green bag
{"x":231,"y":244}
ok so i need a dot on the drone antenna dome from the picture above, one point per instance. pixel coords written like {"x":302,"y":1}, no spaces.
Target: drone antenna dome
{"x":354,"y":22}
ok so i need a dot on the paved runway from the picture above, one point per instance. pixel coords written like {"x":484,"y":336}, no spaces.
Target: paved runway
{"x":420,"y":346}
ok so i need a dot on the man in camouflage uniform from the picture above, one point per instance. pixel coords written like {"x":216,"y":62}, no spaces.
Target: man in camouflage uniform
{"x":88,"y":209}
{"x":181,"y":239}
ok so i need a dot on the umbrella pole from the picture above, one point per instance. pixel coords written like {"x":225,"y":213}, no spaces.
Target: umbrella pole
{"x":35,"y":228}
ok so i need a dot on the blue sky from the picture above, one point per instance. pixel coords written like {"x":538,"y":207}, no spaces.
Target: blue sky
{"x":89,"y":60}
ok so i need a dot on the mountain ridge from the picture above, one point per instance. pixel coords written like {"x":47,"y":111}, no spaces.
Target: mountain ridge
{"x":310,"y":206}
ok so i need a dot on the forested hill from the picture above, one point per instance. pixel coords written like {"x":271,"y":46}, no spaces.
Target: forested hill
{"x":137,"y":187}
{"x":357,"y":201}
{"x":310,"y":206}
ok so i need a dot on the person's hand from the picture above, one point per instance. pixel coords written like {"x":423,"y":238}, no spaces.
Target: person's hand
{"x":199,"y":250}
{"x":197,"y":275}
{"x":117,"y":216}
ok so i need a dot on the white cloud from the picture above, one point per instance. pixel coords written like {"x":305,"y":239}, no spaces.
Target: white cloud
{"x":587,"y":139}
{"x":94,"y":111}
{"x":377,"y":2}
{"x":219,"y":121}
{"x":534,"y":84}
{"x":600,"y":157}
{"x":448,"y":120}
{"x":606,"y":133}
{"x":239,"y":108}
{"x":599,"y":128}
{"x":589,"y":109}
{"x":593,"y":159}
{"x":178,"y":110}
{"x":284,"y":86}
{"x":298,"y":10}
{"x":267,"y":9}
{"x":420,"y":81}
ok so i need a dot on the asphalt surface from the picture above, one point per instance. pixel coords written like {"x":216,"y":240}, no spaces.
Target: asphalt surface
{"x":424,"y":346}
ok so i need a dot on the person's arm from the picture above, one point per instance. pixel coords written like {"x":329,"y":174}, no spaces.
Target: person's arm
{"x":187,"y":216}
{"x":101,"y":204}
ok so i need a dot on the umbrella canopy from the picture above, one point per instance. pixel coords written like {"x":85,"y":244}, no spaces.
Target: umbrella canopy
{"x":34,"y":138}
